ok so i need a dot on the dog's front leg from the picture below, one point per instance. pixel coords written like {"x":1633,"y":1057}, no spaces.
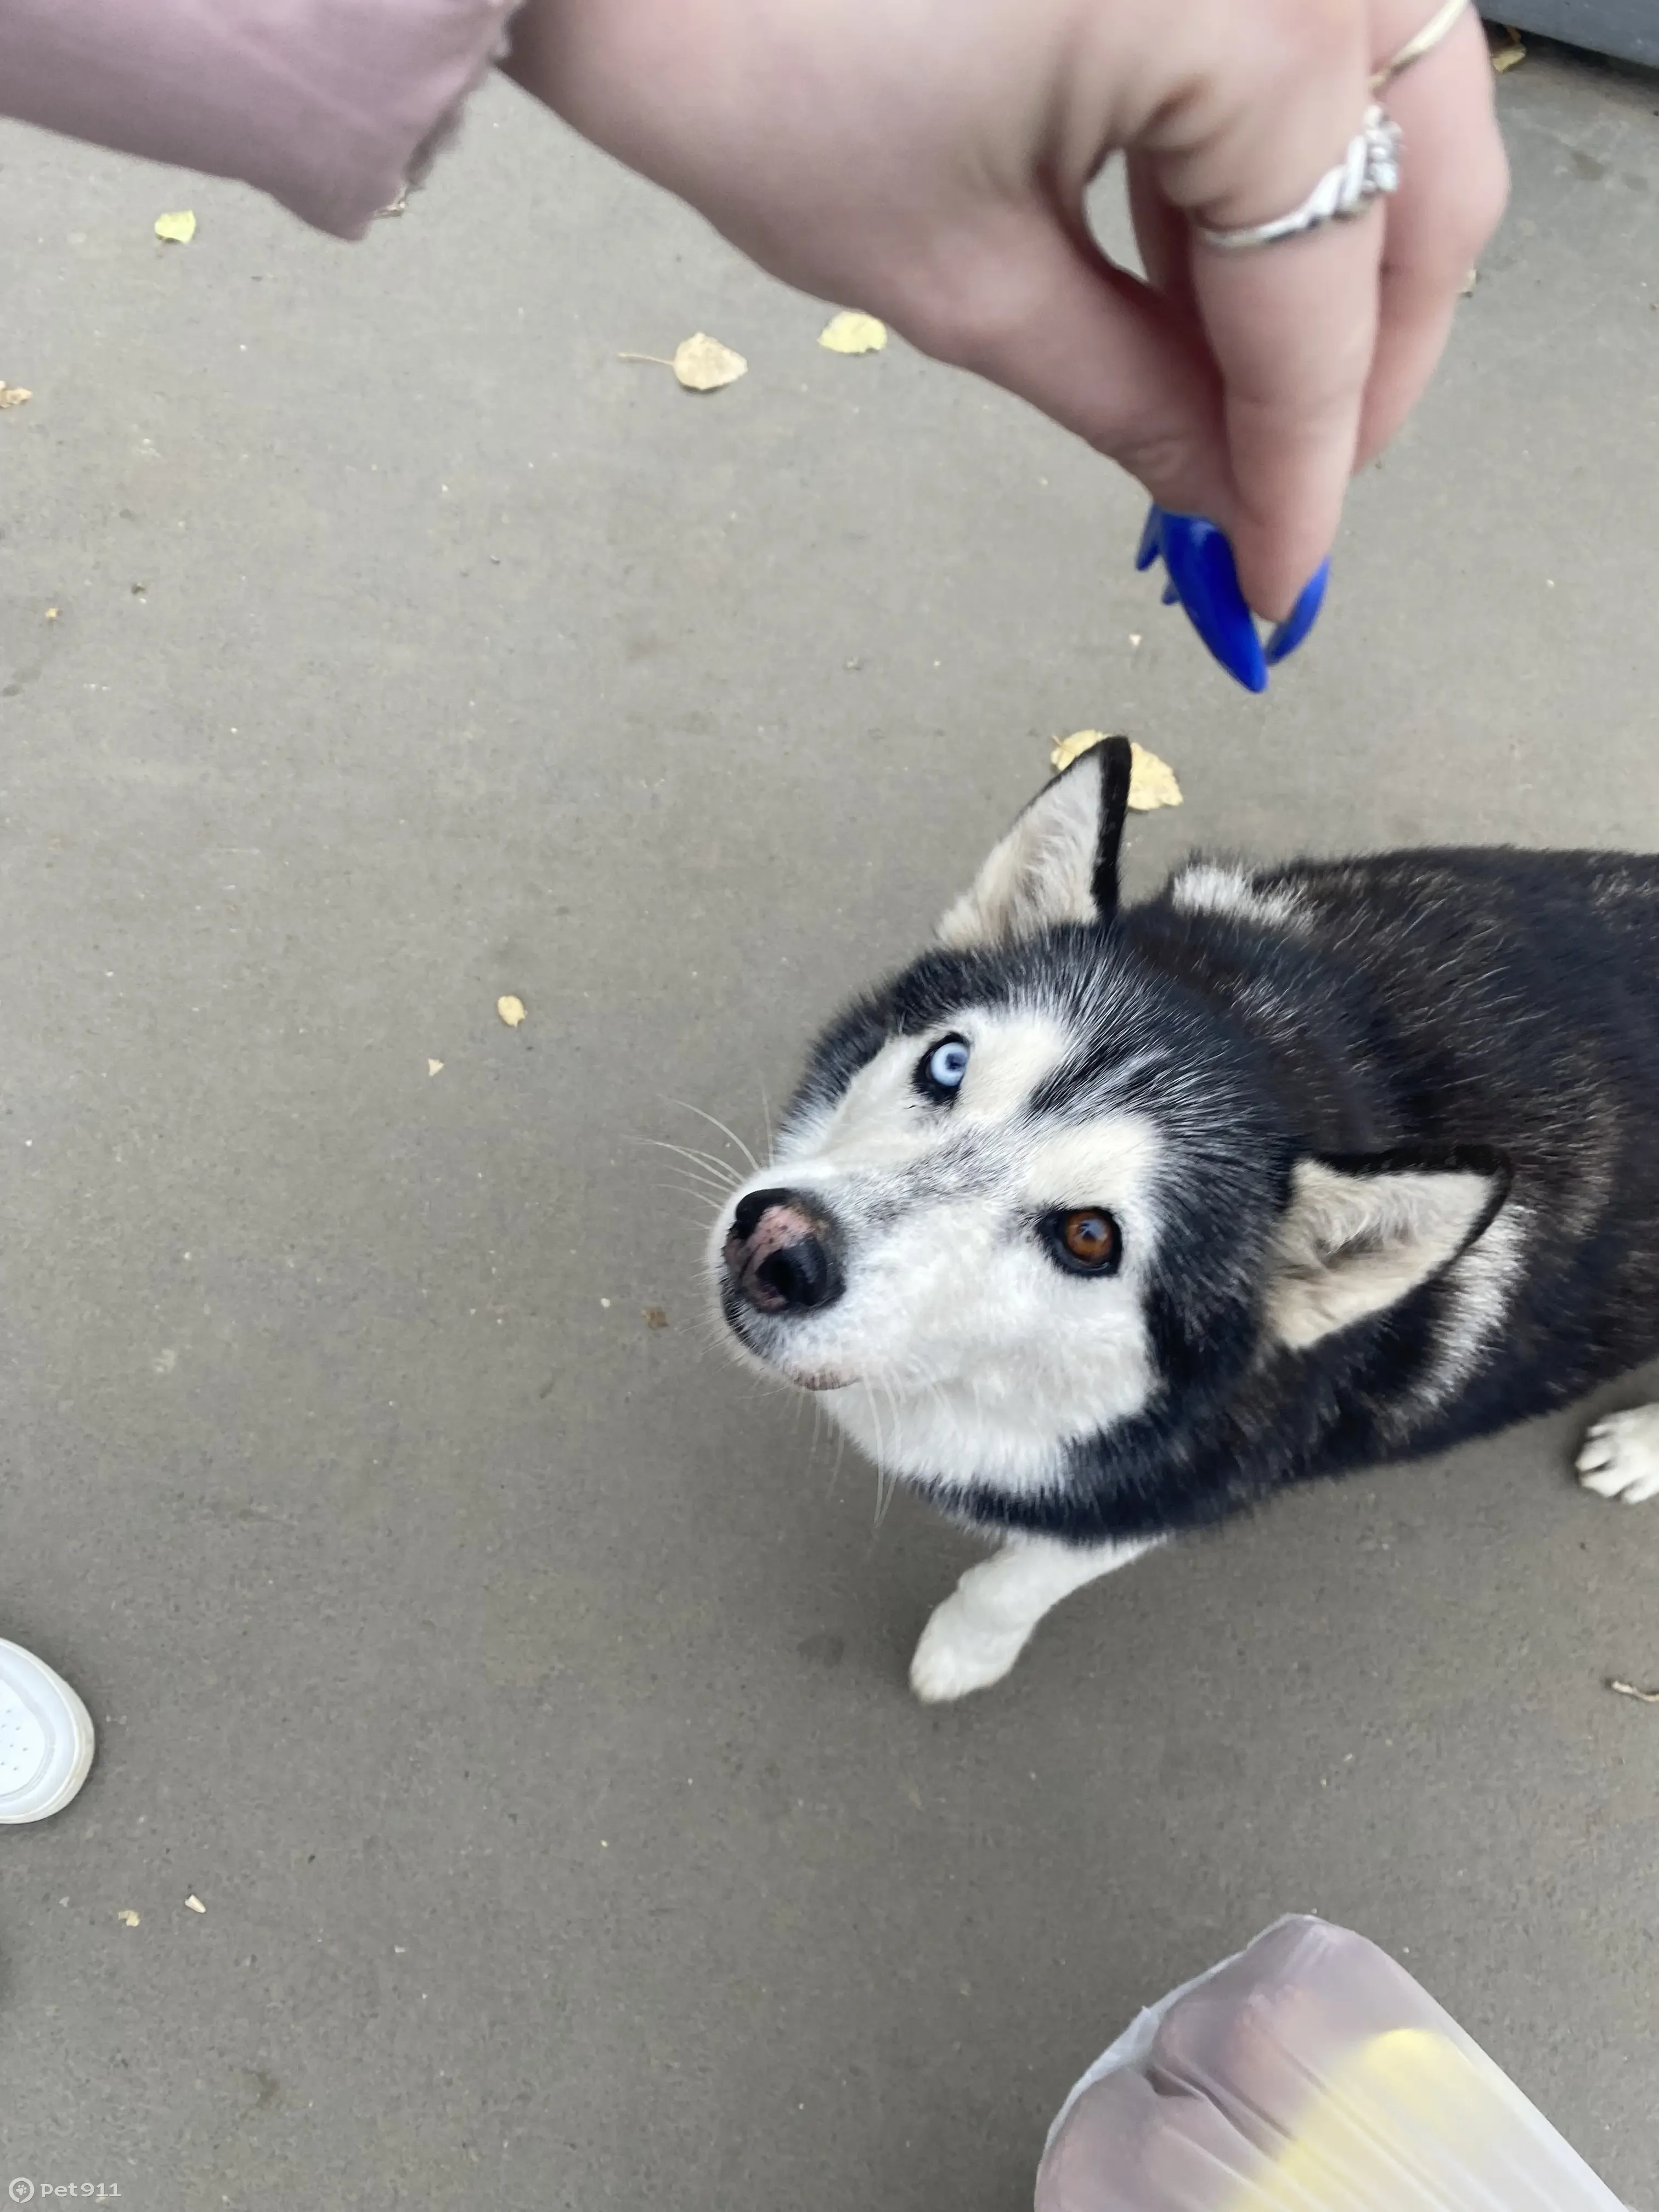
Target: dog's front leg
{"x":976,"y":1636}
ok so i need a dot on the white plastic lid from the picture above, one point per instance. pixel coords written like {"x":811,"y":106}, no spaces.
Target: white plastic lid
{"x":45,"y":1737}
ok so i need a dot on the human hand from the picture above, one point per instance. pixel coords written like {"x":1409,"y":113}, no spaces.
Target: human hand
{"x":927,"y":161}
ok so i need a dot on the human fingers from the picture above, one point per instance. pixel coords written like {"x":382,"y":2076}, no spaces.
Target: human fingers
{"x":1037,"y":308}
{"x":1454,"y":182}
{"x":1291,"y":327}
{"x":1164,"y":236}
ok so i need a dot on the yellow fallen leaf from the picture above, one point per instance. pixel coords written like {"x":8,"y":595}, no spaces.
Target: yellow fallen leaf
{"x":52,"y":614}
{"x":177,"y":228}
{"x":127,"y":1914}
{"x":1506,"y":47}
{"x":1065,"y":750}
{"x":510,"y":1009}
{"x":434,"y":1068}
{"x":1151,"y":781}
{"x":703,"y":364}
{"x":849,"y":332}
{"x":193,"y":1903}
{"x":14,"y":395}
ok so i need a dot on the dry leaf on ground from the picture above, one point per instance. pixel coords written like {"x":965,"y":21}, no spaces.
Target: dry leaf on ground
{"x":177,"y":228}
{"x":1151,"y":781}
{"x":1065,"y":750}
{"x":1506,"y":47}
{"x":434,"y":1068}
{"x":701,"y":363}
{"x":510,"y":1009}
{"x":655,"y":1317}
{"x":127,"y":1914}
{"x":1629,"y":1690}
{"x":851,"y":333}
{"x":14,"y":395}
{"x":193,"y":1903}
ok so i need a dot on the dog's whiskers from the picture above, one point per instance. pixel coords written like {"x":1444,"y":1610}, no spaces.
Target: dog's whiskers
{"x":715,"y":1122}
{"x":880,"y":1463}
{"x":888,"y":1479}
{"x":702,"y":1177}
{"x":729,"y":1176}
{"x":713,"y":1206}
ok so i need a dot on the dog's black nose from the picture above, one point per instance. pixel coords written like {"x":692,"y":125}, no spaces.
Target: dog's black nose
{"x":782,"y":1253}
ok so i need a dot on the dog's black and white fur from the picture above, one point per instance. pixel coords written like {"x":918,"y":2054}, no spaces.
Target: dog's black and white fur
{"x":1097,"y":1224}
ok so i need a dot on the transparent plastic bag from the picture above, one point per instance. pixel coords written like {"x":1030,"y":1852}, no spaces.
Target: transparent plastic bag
{"x":1309,"y":2074}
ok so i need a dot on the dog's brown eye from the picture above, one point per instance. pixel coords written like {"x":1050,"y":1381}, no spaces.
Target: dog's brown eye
{"x":1090,"y":1238}
{"x":1085,"y":1241}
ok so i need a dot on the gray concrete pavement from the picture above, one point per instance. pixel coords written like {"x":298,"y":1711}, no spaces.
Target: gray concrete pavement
{"x":523,"y":1694}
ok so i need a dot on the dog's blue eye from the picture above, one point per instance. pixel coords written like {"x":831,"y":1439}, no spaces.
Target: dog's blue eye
{"x":940,"y":1073}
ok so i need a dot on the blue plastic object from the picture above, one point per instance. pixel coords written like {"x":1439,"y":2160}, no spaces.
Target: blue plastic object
{"x":1202,"y":578}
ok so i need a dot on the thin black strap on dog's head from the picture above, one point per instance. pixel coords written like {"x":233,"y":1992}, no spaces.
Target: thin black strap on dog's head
{"x":1116,"y":764}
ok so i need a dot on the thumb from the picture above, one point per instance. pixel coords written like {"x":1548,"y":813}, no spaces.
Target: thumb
{"x":1042,"y":312}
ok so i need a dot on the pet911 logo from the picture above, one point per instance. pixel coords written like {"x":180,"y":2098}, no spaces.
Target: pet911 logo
{"x":25,"y":2190}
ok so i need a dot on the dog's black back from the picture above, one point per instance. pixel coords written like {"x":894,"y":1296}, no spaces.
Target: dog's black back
{"x":1426,"y":1005}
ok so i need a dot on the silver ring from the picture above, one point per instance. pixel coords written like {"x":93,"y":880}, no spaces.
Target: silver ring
{"x":1369,"y":169}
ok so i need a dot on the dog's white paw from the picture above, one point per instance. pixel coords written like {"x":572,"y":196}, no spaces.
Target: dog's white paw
{"x":1620,"y":1457}
{"x":958,"y":1653}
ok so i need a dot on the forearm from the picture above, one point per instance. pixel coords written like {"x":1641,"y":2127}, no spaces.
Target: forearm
{"x":330,"y":105}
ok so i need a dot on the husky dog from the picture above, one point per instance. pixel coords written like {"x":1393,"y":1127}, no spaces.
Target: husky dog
{"x":1095,"y":1226}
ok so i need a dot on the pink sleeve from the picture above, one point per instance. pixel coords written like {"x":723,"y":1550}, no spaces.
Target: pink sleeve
{"x":331,"y":106}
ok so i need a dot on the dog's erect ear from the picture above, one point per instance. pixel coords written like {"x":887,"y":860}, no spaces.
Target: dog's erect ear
{"x":1358,"y":1234}
{"x":1058,"y":863}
